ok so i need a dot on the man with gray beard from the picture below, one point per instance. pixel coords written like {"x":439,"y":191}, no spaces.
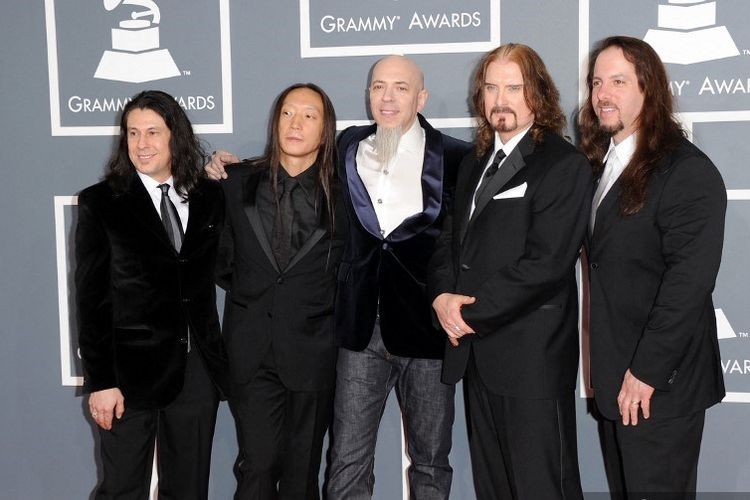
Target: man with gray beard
{"x":397,"y":177}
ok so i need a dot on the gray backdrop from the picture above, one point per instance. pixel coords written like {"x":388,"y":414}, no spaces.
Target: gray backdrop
{"x":232,"y":58}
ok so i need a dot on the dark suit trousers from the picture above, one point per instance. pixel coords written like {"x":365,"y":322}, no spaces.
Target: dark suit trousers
{"x":521,"y":449}
{"x":656,"y":459}
{"x":183,"y":432}
{"x":280,"y":435}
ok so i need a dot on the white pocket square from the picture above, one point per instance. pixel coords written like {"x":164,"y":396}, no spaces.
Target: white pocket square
{"x":516,"y":192}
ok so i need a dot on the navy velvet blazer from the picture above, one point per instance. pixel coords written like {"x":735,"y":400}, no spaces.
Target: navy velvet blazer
{"x":137,"y":296}
{"x":392,"y":272}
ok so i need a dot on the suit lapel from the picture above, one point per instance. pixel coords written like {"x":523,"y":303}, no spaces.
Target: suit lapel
{"x":313,"y":239}
{"x":138,"y":201}
{"x":358,"y":195}
{"x":508,"y":169}
{"x":249,"y":190}
{"x":606,"y":212}
{"x":431,"y":183}
{"x":467,"y":193}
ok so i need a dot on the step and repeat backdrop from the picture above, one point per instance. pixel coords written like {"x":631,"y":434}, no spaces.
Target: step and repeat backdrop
{"x":69,"y":66}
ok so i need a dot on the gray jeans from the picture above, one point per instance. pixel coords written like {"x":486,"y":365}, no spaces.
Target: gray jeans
{"x":363,"y":381}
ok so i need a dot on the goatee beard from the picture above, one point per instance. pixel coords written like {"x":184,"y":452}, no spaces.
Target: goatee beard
{"x":386,"y":143}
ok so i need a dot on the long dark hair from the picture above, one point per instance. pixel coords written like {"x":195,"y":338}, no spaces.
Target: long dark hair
{"x":326,"y":158}
{"x":658,"y":131}
{"x":540,"y":92}
{"x":185,"y":148}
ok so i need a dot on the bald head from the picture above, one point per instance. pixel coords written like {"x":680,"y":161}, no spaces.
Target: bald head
{"x":397,"y":92}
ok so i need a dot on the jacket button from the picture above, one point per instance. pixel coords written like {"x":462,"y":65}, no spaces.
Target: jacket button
{"x":185,"y":300}
{"x":385,"y":246}
{"x":279,"y":280}
{"x":594,"y":266}
{"x":182,"y":261}
{"x":183,"y":341}
{"x":465,"y":267}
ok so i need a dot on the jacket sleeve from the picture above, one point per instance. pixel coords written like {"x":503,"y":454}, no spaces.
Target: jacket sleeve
{"x":94,"y":299}
{"x":690,"y":218}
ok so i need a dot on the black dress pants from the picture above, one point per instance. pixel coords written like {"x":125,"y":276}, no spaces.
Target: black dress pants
{"x":654,"y":460}
{"x":521,"y":448}
{"x":280,"y":435}
{"x":183,"y":434}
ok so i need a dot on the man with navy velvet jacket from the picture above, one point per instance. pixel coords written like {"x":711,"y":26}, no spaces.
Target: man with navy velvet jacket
{"x":398,"y":177}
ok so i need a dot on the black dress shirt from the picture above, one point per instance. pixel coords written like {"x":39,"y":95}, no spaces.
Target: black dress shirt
{"x":305,"y":200}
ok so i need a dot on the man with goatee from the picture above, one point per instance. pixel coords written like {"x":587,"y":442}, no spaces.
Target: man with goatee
{"x":504,"y":284}
{"x":656,"y":235}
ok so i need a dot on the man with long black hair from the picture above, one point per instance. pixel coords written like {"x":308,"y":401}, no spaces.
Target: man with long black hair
{"x":152,"y":353}
{"x":279,"y":253}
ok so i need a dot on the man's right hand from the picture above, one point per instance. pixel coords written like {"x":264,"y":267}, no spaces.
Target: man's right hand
{"x":448,"y":309}
{"x":215,"y":168}
{"x":105,"y":404}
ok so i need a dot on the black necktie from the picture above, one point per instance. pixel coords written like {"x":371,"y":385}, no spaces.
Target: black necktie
{"x":488,"y":174}
{"x":170,"y":219}
{"x":282,"y":234}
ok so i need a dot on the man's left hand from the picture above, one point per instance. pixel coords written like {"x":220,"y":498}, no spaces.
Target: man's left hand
{"x":633,"y":394}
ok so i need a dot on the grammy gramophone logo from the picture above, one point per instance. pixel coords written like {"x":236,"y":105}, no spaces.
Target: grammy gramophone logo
{"x":688,"y":33}
{"x":135,"y":56}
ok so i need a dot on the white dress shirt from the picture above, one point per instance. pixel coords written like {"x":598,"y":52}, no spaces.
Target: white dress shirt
{"x":617,"y":158}
{"x":395,"y":189}
{"x":152,"y":187}
{"x":508,"y":149}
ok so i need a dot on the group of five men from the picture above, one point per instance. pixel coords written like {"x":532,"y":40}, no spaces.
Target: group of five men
{"x":347,"y":263}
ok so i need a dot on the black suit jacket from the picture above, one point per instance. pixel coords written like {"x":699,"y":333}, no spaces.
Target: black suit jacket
{"x":137,"y":296}
{"x":517,"y":256}
{"x":651,"y":276}
{"x":392,"y":272}
{"x":288,"y":310}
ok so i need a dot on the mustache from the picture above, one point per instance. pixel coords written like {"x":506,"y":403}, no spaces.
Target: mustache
{"x":606,"y":104}
{"x":502,"y":109}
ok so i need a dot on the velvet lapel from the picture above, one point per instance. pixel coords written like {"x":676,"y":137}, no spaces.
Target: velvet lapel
{"x":138,"y":201}
{"x":357,"y":192}
{"x":432,"y":186}
{"x":249,"y":190}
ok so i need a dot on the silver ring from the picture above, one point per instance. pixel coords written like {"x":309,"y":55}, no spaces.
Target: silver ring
{"x":635,"y":403}
{"x":457,"y":328}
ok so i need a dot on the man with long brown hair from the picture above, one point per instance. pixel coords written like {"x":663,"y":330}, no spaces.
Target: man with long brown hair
{"x":504,"y":283}
{"x":656,"y":235}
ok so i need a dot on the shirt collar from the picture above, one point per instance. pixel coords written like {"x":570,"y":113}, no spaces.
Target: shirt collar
{"x":509,"y":146}
{"x":413,"y":139}
{"x":624,"y":151}
{"x":307,"y":180}
{"x":150,"y":183}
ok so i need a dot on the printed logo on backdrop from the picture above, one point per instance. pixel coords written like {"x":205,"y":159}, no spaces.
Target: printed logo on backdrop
{"x":331,"y":28}
{"x":705,"y":46}
{"x":101,"y":53}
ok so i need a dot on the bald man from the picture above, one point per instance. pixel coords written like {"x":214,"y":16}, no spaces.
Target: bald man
{"x":398,"y":178}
